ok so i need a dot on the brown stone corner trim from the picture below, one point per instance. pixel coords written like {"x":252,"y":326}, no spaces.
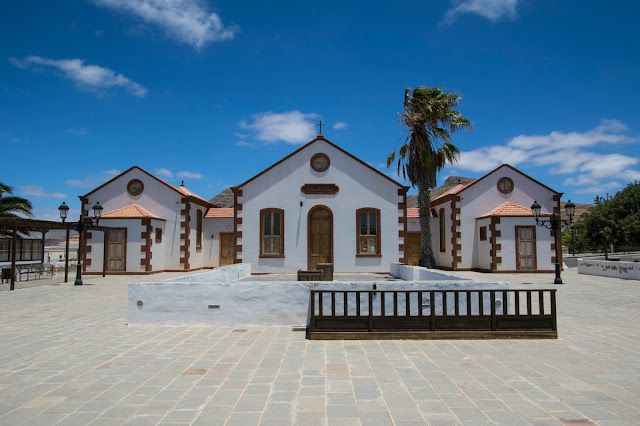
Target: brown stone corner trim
{"x":495,"y":234}
{"x":402,"y":205}
{"x":455,"y":222}
{"x":237,"y":248}
{"x":146,"y":247}
{"x":186,"y":241}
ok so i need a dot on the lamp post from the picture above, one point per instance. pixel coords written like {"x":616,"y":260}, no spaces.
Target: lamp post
{"x":80,"y":226}
{"x":554,"y":224}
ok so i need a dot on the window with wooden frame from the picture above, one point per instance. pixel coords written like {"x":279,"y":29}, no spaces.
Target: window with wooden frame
{"x":483,"y":233}
{"x":5,"y":245}
{"x":368,"y":232}
{"x":443,"y":246}
{"x":158,"y":235}
{"x":199,"y":229}
{"x":272,"y":233}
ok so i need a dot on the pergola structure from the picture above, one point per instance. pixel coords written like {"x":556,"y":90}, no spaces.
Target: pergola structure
{"x":14,"y":225}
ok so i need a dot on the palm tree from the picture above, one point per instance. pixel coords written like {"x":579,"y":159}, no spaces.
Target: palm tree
{"x":429,"y":118}
{"x":11,"y":205}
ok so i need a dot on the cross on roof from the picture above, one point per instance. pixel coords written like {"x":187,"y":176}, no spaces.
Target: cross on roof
{"x":320,"y":126}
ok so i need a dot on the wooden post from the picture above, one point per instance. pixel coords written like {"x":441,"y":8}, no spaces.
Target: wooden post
{"x":66,"y":260}
{"x":42,"y":248}
{"x":104,"y":258}
{"x":13,"y":256}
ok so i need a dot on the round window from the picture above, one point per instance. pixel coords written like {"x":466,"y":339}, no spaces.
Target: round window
{"x":135,"y":187}
{"x":320,"y":162}
{"x":505,"y":185}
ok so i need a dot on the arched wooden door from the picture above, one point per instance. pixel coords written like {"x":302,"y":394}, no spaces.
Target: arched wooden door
{"x":319,"y":236}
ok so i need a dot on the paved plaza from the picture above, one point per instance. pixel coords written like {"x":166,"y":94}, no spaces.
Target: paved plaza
{"x":67,"y":356}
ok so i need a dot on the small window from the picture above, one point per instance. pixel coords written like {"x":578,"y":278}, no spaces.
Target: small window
{"x":443,"y":246}
{"x":483,"y":233}
{"x":4,"y":250}
{"x":505,"y":185}
{"x":158,"y":235}
{"x":368,"y":231}
{"x":271,"y":233}
{"x":199,"y":229}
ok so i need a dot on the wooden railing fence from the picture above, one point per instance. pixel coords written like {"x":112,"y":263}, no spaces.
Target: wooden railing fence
{"x":432,"y":314}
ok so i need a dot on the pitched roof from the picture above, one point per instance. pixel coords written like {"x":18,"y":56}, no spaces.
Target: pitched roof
{"x":220,"y":212}
{"x":223,"y":199}
{"x":320,"y":138}
{"x":511,"y":209}
{"x":181,"y":190}
{"x":132,"y":211}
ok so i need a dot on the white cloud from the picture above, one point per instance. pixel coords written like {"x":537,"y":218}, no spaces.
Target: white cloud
{"x":186,"y":21}
{"x":291,"y":127}
{"x":570,"y":153}
{"x":165,"y":173}
{"x":493,"y":10}
{"x":78,"y":132}
{"x":112,"y":172}
{"x":243,"y":143}
{"x":340,"y":125}
{"x":82,"y":183}
{"x":92,"y":78}
{"x":9,"y":137}
{"x":189,"y":175}
{"x":38,"y":191}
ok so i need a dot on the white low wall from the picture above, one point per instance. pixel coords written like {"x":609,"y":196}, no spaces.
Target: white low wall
{"x":258,"y":303}
{"x":419,"y":273}
{"x":608,"y":268}
{"x":222,"y":274}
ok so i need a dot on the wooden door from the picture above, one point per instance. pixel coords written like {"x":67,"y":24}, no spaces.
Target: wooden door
{"x":116,"y":250}
{"x":412,"y":246}
{"x":226,"y":248}
{"x":526,"y":247}
{"x":320,"y":236}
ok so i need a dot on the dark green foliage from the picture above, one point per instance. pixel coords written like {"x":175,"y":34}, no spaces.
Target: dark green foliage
{"x":615,"y":221}
{"x":430,"y":117}
{"x":11,"y":205}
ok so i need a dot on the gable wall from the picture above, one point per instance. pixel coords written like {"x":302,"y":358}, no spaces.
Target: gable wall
{"x":484,"y":196}
{"x":157,"y":199}
{"x":359,"y":187}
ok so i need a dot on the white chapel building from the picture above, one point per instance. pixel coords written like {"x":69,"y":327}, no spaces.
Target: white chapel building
{"x":320,"y":204}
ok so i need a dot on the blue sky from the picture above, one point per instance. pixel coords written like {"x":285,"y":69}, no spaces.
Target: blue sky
{"x":213,"y":92}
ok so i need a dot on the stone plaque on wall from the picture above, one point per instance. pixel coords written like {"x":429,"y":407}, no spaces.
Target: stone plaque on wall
{"x":319,"y":188}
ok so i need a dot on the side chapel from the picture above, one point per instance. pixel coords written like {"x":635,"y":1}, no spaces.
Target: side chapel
{"x":320,"y":204}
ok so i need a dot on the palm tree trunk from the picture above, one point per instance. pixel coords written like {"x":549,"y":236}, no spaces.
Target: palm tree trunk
{"x":424,"y":205}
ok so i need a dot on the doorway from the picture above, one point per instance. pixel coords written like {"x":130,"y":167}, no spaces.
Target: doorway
{"x":116,"y":250}
{"x":526,"y":248}
{"x":226,"y":249}
{"x":412,"y":247}
{"x":319,"y":236}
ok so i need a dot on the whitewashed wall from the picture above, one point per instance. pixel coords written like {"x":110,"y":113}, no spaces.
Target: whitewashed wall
{"x":443,"y":258}
{"x":482,"y":249}
{"x":157,"y":250}
{"x":484,"y":196}
{"x":159,"y":200}
{"x":607,"y":268}
{"x":212,"y":229}
{"x":280,"y":188}
{"x":134,"y":242}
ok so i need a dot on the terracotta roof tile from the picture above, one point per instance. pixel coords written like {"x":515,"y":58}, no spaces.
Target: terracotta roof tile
{"x":220,"y":212}
{"x":128,"y":212}
{"x":459,"y":187}
{"x":414,"y":213}
{"x":510,"y":209}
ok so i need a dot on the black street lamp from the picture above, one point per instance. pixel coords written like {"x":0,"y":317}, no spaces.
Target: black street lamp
{"x":554,"y":225}
{"x":80,"y":226}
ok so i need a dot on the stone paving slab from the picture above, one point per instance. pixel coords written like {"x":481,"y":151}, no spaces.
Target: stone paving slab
{"x":68,"y":357}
